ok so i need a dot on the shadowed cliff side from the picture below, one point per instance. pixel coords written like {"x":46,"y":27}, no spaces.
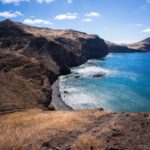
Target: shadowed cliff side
{"x":32,"y":58}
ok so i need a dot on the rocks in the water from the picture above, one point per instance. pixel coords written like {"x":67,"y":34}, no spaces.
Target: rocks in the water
{"x":66,"y":92}
{"x":77,"y":77}
{"x":59,"y":95}
{"x":76,"y":73}
{"x":99,"y":76}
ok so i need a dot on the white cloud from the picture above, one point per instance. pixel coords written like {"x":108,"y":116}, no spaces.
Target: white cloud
{"x":69,"y":1}
{"x":87,"y":20}
{"x":9,"y":14}
{"x":146,"y":30}
{"x":69,"y":16}
{"x":45,"y":1}
{"x":16,"y":2}
{"x":93,"y":14}
{"x":37,"y":21}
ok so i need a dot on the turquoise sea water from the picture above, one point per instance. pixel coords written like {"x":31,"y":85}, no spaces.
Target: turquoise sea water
{"x":126,"y":86}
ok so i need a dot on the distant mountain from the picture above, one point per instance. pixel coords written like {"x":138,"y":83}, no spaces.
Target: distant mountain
{"x":141,"y":46}
{"x":32,"y":58}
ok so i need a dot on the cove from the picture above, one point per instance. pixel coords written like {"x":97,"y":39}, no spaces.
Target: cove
{"x":120,"y":83}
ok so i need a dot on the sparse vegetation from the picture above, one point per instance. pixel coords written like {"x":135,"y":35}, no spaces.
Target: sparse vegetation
{"x":27,"y":130}
{"x":35,"y":129}
{"x":86,"y":142}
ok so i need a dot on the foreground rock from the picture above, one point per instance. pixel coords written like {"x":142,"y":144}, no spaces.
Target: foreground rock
{"x":74,"y":130}
{"x":32,"y":58}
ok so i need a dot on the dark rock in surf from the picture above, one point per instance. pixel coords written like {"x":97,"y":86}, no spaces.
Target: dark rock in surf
{"x":66,"y":92}
{"x":99,"y":76}
{"x":77,"y":77}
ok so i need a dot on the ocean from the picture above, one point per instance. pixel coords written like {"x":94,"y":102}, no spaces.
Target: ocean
{"x":119,"y":82}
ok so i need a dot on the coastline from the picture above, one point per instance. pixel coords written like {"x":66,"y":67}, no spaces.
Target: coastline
{"x":57,"y":101}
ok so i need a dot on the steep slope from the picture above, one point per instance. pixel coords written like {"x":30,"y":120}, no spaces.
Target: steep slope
{"x":32,"y":58}
{"x":141,"y":46}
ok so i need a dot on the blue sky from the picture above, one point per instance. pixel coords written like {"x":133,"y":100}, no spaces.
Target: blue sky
{"x":122,"y":21}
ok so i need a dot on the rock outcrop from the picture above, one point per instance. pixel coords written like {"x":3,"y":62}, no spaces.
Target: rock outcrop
{"x":32,"y":58}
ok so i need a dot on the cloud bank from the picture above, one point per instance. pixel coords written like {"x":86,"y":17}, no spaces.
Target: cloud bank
{"x":37,"y":21}
{"x":9,"y":14}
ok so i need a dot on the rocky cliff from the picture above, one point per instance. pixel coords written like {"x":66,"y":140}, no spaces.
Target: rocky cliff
{"x":142,"y":46}
{"x":32,"y":58}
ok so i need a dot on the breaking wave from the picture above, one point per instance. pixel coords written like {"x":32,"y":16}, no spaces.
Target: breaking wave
{"x":92,"y":70}
{"x":125,"y":88}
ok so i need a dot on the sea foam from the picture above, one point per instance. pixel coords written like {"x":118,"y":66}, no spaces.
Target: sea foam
{"x":125,"y":88}
{"x":92,"y":70}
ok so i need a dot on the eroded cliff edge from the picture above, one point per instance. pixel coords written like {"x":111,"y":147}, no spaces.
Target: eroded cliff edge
{"x":32,"y":58}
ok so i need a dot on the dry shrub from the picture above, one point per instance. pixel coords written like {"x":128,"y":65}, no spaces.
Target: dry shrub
{"x":27,"y":130}
{"x":86,"y":142}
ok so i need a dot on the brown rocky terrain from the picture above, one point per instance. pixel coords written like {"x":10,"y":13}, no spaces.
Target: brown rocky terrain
{"x":74,"y":130}
{"x":32,"y":58}
{"x":142,"y":46}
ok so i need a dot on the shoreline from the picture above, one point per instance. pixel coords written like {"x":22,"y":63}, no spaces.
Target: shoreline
{"x":59,"y":104}
{"x":57,"y":101}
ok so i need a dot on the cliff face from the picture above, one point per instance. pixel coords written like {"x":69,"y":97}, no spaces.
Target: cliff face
{"x":32,"y":58}
{"x":142,"y":46}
